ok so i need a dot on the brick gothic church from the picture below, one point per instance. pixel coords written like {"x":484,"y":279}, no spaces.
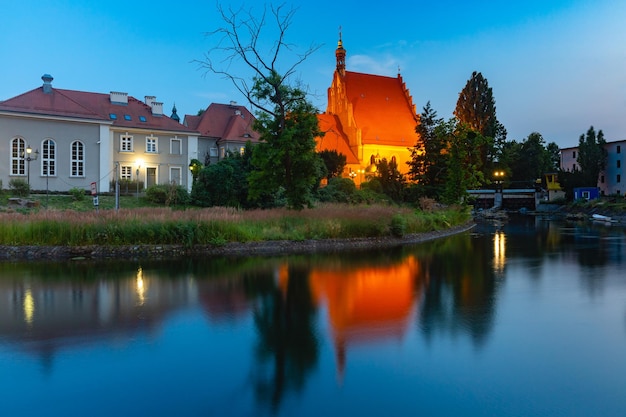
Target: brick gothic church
{"x":369,"y":117}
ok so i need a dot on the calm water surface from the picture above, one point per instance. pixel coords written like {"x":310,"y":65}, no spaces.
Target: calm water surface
{"x":522,"y":319}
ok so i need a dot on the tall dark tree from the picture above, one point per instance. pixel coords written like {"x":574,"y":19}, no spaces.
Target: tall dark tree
{"x":334,"y":162}
{"x":592,"y":156}
{"x":391,"y":180}
{"x":476,"y":107}
{"x":428,"y":156}
{"x":286,"y":158}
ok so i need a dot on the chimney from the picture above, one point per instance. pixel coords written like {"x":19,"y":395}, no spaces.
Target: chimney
{"x":47,"y":83}
{"x":157,"y":109}
{"x":118,"y":98}
{"x":150,"y":100}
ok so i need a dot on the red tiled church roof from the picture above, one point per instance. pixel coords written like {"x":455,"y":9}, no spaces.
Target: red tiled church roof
{"x":334,"y":139}
{"x":382,"y":109}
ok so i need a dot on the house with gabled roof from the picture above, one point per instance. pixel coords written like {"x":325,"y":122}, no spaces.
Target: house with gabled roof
{"x":368,"y":118}
{"x":59,"y":139}
{"x":223,"y":128}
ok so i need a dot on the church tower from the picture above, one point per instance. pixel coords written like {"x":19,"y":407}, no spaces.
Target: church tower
{"x":340,"y":53}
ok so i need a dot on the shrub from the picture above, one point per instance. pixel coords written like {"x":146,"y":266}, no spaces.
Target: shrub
{"x":168,"y":194}
{"x":77,"y":193}
{"x":398,"y":225}
{"x":19,"y":187}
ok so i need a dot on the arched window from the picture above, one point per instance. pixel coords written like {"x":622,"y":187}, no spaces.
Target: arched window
{"x":18,"y":164}
{"x":372,"y":159}
{"x":77,"y":159}
{"x":48,"y":158}
{"x":393,"y":160}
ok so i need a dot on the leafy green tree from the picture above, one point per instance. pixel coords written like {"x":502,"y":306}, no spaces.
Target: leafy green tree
{"x":334,"y":162}
{"x":285,"y":160}
{"x":554,"y":157}
{"x":429,"y":155}
{"x":286,"y":155}
{"x":476,"y":107}
{"x":592,"y":156}
{"x":224,"y":183}
{"x":464,"y":163}
{"x":392,"y":182}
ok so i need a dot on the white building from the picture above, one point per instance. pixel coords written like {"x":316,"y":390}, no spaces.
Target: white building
{"x":610,"y":180}
{"x":60,"y":139}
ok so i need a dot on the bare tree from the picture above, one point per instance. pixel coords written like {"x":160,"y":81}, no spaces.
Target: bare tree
{"x":241,"y":40}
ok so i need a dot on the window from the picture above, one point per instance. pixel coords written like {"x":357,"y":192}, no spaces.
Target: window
{"x":175,"y":175}
{"x":619,"y":178}
{"x":113,"y":116}
{"x":77,"y":159}
{"x":142,"y":119}
{"x":151,"y":144}
{"x":127,"y":117}
{"x":222,"y":152}
{"x":18,"y":164}
{"x":126,"y":172}
{"x":176,"y":146}
{"x":619,"y":149}
{"x":574,"y":154}
{"x":242,"y":150}
{"x":126,"y":143}
{"x":619,"y":163}
{"x":48,"y":158}
{"x":213,"y":152}
{"x":601,"y":179}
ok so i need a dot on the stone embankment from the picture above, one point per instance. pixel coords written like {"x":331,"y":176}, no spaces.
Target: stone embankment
{"x":265,"y":248}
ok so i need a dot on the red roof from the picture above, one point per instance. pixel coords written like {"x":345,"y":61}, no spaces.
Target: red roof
{"x":334,"y":139}
{"x":383,"y":109}
{"x":229,"y":122}
{"x":93,"y":106}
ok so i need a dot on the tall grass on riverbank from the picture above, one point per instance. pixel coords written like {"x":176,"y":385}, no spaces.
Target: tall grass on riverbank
{"x":216,"y":226}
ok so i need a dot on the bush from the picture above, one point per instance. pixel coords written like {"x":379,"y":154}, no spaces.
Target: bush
{"x":19,"y":187}
{"x":398,"y":225}
{"x":168,"y":194}
{"x":77,"y":193}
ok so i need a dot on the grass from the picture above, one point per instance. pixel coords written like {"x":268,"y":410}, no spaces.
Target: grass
{"x":74,"y":223}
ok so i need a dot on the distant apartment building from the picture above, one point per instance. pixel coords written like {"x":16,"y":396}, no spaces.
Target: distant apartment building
{"x":610,"y":180}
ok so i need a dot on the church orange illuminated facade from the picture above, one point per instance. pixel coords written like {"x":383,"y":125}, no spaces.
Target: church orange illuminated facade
{"x":368,"y":118}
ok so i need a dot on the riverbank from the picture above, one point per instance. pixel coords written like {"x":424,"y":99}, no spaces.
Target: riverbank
{"x":234,"y":249}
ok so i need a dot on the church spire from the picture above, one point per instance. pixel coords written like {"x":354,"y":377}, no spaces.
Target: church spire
{"x":340,"y":53}
{"x":174,"y":115}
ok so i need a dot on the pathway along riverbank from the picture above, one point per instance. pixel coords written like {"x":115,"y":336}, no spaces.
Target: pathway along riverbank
{"x":234,"y":249}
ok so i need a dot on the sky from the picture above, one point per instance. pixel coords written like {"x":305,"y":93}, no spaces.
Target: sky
{"x":556,"y":67}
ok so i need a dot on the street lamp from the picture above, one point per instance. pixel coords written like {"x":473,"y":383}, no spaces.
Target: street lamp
{"x":352,"y":174}
{"x":499,"y":179}
{"x":137,"y":178}
{"x":29,"y":156}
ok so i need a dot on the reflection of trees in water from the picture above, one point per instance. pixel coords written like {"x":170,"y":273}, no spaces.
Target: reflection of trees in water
{"x":287,"y":348}
{"x":461,"y":286}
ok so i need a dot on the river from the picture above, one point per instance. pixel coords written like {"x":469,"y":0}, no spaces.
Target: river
{"x":523,"y":318}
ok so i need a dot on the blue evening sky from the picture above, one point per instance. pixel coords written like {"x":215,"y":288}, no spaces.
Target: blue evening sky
{"x":556,"y":67}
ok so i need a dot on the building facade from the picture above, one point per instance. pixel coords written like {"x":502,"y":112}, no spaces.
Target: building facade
{"x":611,"y":179}
{"x":59,"y":139}
{"x":368,"y":118}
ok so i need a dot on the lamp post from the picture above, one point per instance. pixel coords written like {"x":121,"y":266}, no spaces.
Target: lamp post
{"x":352,"y":174}
{"x":499,"y":179}
{"x":137,"y":179}
{"x":28,"y":156}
